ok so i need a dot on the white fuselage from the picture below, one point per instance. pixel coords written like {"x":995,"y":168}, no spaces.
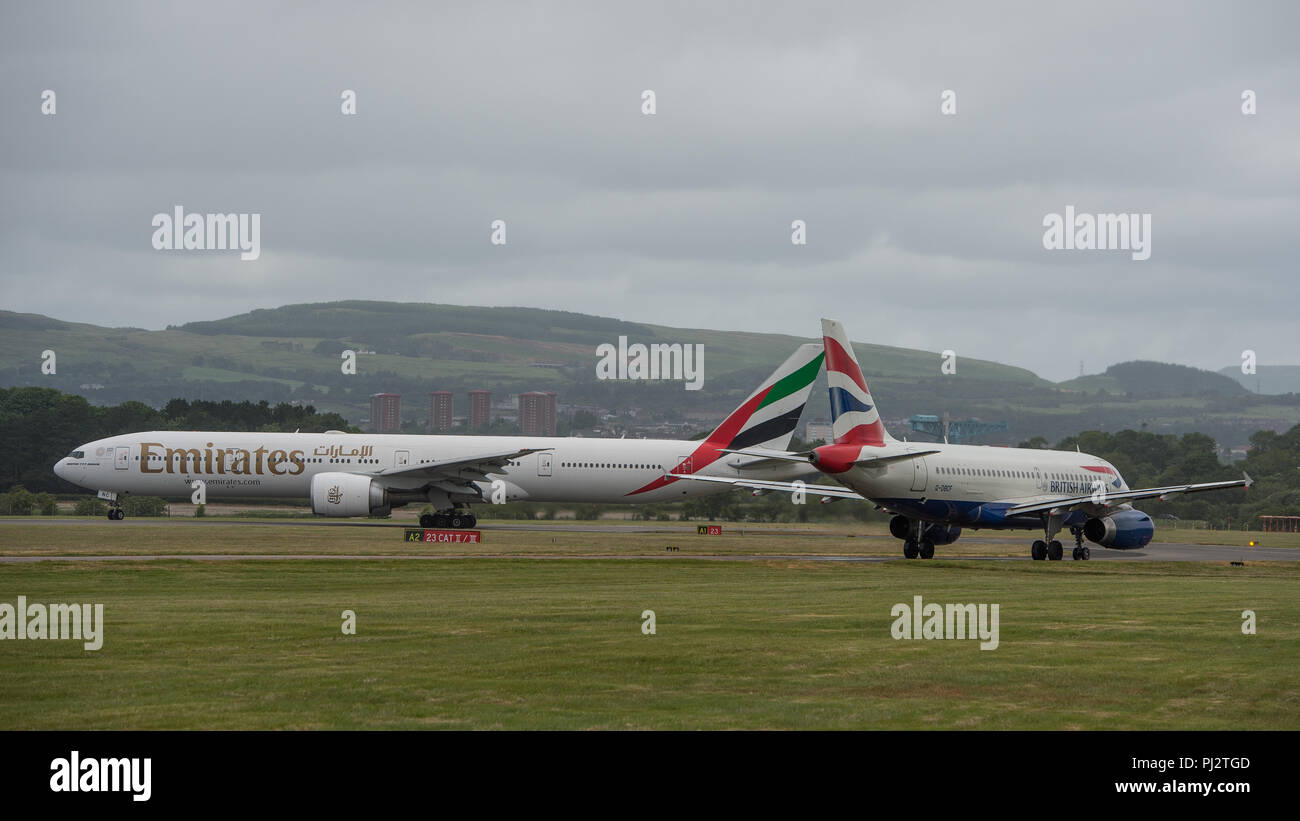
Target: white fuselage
{"x":970,"y":483}
{"x":281,"y":465}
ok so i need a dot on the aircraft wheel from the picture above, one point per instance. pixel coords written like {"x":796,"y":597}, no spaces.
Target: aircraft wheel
{"x":427,"y":521}
{"x":1054,"y":550}
{"x":909,"y":549}
{"x":1076,"y":555}
{"x":1038,"y":550}
{"x":440,"y":520}
{"x":1085,"y":553}
{"x":457,"y":520}
{"x":471,"y":520}
{"x":926,"y":549}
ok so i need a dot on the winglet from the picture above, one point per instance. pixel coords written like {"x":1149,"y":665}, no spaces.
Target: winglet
{"x":1249,"y":481}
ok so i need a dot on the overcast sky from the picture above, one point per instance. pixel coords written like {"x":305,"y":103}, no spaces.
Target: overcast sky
{"x":923,"y":230}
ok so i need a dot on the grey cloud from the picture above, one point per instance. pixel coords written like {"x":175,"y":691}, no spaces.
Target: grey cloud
{"x":923,"y":230}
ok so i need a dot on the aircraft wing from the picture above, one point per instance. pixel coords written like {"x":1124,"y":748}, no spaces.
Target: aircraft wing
{"x":465,"y":469}
{"x":836,"y":491}
{"x":1103,"y":500}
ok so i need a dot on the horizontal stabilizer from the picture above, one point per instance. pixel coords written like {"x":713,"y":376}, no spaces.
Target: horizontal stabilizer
{"x":762,"y":456}
{"x":885,"y":460}
{"x":836,"y":491}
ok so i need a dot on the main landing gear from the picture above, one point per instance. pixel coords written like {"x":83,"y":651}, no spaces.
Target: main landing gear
{"x":1046,"y":550}
{"x":116,"y":514}
{"x":914,"y":545}
{"x":1052,"y":549}
{"x":455,"y":519}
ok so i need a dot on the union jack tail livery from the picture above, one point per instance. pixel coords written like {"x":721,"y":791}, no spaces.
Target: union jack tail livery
{"x":855,"y":419}
{"x":932,"y":491}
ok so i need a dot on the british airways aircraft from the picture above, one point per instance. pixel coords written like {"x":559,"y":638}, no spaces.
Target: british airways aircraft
{"x":357,"y":474}
{"x":935,"y":490}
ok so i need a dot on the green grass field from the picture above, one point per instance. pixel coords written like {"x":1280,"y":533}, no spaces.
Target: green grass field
{"x":523,"y":641}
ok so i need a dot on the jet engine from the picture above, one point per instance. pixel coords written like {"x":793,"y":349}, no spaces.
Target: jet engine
{"x":347,"y":494}
{"x":941,"y":534}
{"x":1122,"y":530}
{"x":901,"y":528}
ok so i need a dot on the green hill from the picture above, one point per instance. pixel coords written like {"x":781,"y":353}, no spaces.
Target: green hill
{"x":1269,"y":380}
{"x":292,"y":354}
{"x":1145,"y":378}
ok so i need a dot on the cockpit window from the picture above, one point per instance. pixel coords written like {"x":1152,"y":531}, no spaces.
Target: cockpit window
{"x":77,"y":454}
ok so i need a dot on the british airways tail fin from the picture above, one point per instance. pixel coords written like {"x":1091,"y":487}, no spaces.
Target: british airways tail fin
{"x":855,"y":419}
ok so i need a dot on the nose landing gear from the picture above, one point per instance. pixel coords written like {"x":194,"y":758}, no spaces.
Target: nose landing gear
{"x":1081,"y":552}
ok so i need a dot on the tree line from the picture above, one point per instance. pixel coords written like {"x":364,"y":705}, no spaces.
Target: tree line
{"x":39,"y":426}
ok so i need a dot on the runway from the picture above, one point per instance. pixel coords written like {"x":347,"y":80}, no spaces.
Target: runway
{"x":1163,"y":551}
{"x":562,"y":527}
{"x":1154,"y":553}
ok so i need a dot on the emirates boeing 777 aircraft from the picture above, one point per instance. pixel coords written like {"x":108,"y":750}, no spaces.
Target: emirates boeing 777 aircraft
{"x":934,"y":490}
{"x":356,"y":474}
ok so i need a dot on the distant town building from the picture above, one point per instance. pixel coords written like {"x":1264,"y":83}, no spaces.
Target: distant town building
{"x":537,"y":413}
{"x":480,"y":407}
{"x":441,"y":404}
{"x":549,"y":423}
{"x":386,"y":412}
{"x":817,"y":430}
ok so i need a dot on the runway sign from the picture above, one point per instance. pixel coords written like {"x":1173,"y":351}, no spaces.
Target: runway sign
{"x":445,"y":536}
{"x":709,"y":530}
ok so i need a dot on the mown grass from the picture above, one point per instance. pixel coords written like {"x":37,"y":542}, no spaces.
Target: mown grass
{"x":530,"y":643}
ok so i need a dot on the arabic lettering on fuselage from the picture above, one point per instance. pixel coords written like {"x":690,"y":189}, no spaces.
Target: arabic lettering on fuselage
{"x":155,"y":457}
{"x":337,"y":451}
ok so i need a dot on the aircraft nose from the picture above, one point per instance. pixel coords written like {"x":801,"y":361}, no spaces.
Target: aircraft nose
{"x":66,"y":471}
